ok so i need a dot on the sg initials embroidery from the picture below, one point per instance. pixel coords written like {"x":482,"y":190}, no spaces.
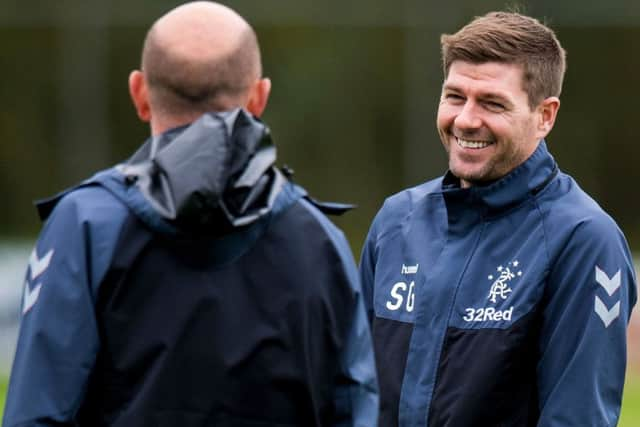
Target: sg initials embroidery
{"x":403,"y":293}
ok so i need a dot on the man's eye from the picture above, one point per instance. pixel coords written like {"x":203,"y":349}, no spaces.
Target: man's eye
{"x":453,"y":97}
{"x":494,"y":106}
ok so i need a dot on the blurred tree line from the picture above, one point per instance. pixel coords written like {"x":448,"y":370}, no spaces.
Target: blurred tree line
{"x":355,"y":93}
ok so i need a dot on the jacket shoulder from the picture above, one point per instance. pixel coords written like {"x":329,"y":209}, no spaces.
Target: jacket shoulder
{"x":568,"y":207}
{"x":83,"y":229}
{"x":86,"y":193}
{"x":316,"y":236}
{"x":90,"y":204}
{"x":407,"y":198}
{"x":400,"y":205}
{"x":579,"y":233}
{"x":335,"y":234}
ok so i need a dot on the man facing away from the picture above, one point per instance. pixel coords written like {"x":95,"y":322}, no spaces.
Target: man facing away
{"x":193,"y":285}
{"x":500,"y":293}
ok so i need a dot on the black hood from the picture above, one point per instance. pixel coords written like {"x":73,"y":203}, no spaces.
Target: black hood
{"x":213,"y":175}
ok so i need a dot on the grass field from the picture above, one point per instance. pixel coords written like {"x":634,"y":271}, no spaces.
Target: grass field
{"x":630,"y":416}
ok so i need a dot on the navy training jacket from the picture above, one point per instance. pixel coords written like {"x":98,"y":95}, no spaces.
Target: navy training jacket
{"x":130,"y":322}
{"x":503,"y":306}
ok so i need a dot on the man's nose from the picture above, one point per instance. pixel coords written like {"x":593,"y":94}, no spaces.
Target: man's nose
{"x":468,"y":117}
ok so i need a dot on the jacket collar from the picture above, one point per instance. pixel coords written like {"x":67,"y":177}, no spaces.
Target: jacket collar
{"x":511,"y":190}
{"x":215,"y":174}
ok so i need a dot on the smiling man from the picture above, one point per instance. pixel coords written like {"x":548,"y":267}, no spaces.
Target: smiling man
{"x":500,"y":293}
{"x":485,"y":121}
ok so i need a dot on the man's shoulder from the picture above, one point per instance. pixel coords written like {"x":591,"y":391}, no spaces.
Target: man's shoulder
{"x":90,"y":202}
{"x":403,"y":202}
{"x":323,"y":222}
{"x":409,"y":197}
{"x":308,"y":237}
{"x":567,"y":206}
{"x":294,"y":198}
{"x":92,"y":199}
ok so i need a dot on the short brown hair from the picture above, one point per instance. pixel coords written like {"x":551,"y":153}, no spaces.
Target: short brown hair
{"x":512,"y":38}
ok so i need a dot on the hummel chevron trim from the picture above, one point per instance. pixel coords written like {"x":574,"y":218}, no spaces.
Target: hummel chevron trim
{"x":609,"y":284}
{"x":605,"y":314}
{"x":38,"y":266}
{"x":30,"y":296}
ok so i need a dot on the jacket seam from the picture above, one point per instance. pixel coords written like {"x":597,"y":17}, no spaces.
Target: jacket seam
{"x":448,"y":319}
{"x":544,"y":234}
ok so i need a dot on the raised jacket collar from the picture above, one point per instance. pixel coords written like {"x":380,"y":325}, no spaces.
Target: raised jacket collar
{"x":216,"y":173}
{"x":511,"y":190}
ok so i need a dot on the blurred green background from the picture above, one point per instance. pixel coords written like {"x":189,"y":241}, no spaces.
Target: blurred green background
{"x":355,"y":92}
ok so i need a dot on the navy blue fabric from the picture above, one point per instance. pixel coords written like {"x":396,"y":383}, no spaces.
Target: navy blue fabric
{"x":391,"y":365}
{"x":70,"y":321}
{"x":458,"y":263}
{"x":58,"y":340}
{"x":470,"y":392}
{"x":274,"y":332}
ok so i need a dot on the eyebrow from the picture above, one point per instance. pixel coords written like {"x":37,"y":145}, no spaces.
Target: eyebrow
{"x":495,"y":97}
{"x":482,"y":95}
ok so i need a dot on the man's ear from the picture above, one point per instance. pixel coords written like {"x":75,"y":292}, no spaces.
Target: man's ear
{"x":548,"y":111}
{"x":140,"y":95}
{"x":258,"y":97}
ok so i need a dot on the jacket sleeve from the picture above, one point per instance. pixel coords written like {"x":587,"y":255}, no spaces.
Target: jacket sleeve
{"x":58,"y":338}
{"x":367,"y":268}
{"x":357,"y":397}
{"x":590,"y":292}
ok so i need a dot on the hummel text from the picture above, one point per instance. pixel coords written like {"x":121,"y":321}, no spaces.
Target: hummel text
{"x":409,"y":269}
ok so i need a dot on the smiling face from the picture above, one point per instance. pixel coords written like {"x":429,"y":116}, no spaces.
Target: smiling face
{"x":485,"y":122}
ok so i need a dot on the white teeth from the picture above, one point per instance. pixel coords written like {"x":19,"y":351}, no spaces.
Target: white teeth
{"x":472,"y":144}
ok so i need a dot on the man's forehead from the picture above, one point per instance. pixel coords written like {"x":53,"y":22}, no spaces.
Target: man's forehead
{"x":487,"y":77}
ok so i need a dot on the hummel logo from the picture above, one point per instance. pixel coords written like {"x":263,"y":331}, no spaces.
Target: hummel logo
{"x":409,"y":269}
{"x":36,"y":268}
{"x":610,"y":285}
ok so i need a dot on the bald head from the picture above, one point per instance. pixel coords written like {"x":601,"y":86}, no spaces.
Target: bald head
{"x":199,"y":57}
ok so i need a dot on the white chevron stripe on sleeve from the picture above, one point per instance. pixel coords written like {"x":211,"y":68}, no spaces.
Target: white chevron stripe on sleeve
{"x":605,"y":314}
{"x":38,"y":266}
{"x":609,"y":284}
{"x":30,"y":296}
